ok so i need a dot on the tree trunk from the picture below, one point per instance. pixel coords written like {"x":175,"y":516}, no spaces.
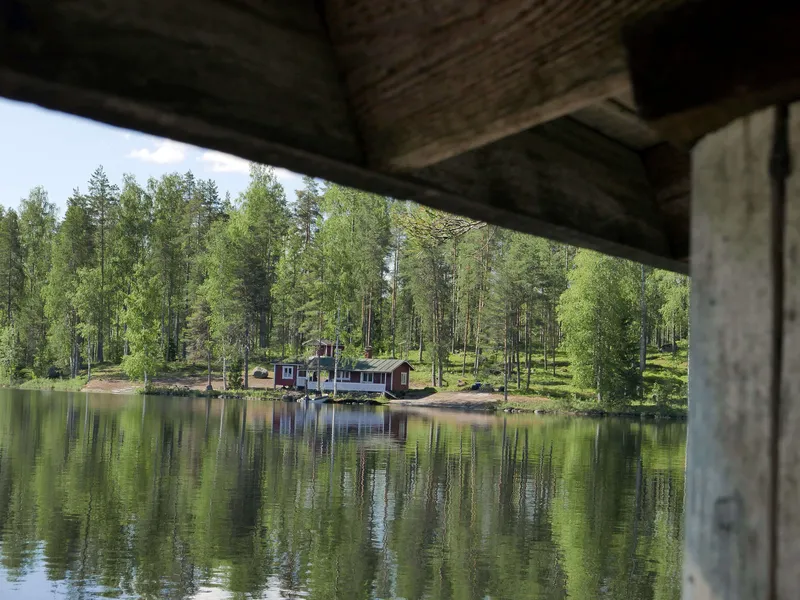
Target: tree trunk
{"x":208,"y":367}
{"x":420,"y":339}
{"x":505,"y":358}
{"x":545,"y":327}
{"x":674,"y":341}
{"x":88,"y":360}
{"x":478,"y":334}
{"x":369,"y":320}
{"x":262,"y":328}
{"x":247,"y":355}
{"x":528,"y":346}
{"x":394,"y":298}
{"x":434,"y":341}
{"x":102,"y":291}
{"x":516,"y":348}
{"x":466,"y":333}
{"x":643,"y":334}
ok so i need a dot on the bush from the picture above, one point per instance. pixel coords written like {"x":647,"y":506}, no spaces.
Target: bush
{"x":236,"y":374}
{"x":26,"y":374}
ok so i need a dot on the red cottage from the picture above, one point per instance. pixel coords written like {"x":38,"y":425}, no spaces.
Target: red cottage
{"x":351,"y":374}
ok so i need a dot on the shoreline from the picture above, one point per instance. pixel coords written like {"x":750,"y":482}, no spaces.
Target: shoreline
{"x":492,"y":403}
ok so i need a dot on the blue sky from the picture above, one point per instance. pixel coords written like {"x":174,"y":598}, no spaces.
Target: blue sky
{"x":59,"y":152}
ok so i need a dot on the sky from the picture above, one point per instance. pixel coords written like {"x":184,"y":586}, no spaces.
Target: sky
{"x":59,"y":152}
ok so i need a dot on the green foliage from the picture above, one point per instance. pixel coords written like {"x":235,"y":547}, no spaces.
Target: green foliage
{"x":142,"y":325}
{"x":598,"y":314}
{"x":147,"y":274}
{"x":11,"y":353}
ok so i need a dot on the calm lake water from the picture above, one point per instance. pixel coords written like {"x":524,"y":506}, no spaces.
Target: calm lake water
{"x":134,"y":497}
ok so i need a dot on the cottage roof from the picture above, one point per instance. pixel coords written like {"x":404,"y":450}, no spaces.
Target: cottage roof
{"x":376,"y":365}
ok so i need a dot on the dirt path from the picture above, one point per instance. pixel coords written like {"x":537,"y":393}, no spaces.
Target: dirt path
{"x":465,"y":400}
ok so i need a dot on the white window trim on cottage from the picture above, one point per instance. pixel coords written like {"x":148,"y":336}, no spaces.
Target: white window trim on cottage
{"x":287,"y":372}
{"x":403,"y":378}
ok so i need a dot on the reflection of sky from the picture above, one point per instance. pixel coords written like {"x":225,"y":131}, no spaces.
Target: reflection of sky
{"x":217,"y":593}
{"x":33,"y":585}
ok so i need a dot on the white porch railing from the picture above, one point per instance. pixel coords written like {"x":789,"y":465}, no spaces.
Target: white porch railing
{"x":343,"y":386}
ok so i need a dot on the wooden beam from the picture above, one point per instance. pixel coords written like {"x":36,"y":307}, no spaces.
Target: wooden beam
{"x":733,"y":367}
{"x":260,"y":83}
{"x":557,"y":173}
{"x":620,"y":123}
{"x":430,"y":80}
{"x":668,"y":170}
{"x":730,"y":59}
{"x":264,"y":69}
{"x":788,"y":520}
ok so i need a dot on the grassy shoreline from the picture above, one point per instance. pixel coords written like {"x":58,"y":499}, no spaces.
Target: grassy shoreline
{"x":542,"y":406}
{"x":549,"y":391}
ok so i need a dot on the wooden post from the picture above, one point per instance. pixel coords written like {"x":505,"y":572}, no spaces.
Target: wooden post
{"x":742,"y":508}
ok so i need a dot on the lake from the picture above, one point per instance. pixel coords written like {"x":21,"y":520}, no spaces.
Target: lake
{"x":155,"y":497}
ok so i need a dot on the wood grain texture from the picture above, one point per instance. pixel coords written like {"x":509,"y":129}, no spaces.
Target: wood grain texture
{"x":668,"y":170}
{"x":429,"y":80}
{"x":788,"y":530}
{"x":261,"y":68}
{"x":560,"y":172}
{"x":730,"y":478}
{"x":619,"y":122}
{"x":257,"y":80}
{"x":729,"y":59}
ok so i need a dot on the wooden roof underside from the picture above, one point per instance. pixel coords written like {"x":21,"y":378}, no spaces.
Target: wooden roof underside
{"x":517,"y":112}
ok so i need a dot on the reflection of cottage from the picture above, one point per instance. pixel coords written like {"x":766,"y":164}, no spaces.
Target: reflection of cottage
{"x":352,"y":374}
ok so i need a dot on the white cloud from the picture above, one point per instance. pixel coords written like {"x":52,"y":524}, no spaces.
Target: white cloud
{"x":224,"y":163}
{"x":126,"y":135}
{"x":164,"y":152}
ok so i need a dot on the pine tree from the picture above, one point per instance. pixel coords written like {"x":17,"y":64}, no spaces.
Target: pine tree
{"x":102,"y":202}
{"x":12,"y":278}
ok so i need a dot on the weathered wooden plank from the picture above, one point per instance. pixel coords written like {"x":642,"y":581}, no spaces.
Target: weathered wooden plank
{"x":731,"y":462}
{"x":619,"y":122}
{"x":668,"y":169}
{"x":730,"y":59}
{"x":788,"y":517}
{"x":429,"y":80}
{"x":251,"y":80}
{"x":264,"y":69}
{"x":557,"y":173}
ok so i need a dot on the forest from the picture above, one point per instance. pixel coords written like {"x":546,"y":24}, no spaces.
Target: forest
{"x":150,"y":274}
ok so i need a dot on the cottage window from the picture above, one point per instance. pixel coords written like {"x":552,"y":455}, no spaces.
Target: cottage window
{"x":343,"y":376}
{"x":287,"y":372}
{"x":367,"y":377}
{"x":403,"y":378}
